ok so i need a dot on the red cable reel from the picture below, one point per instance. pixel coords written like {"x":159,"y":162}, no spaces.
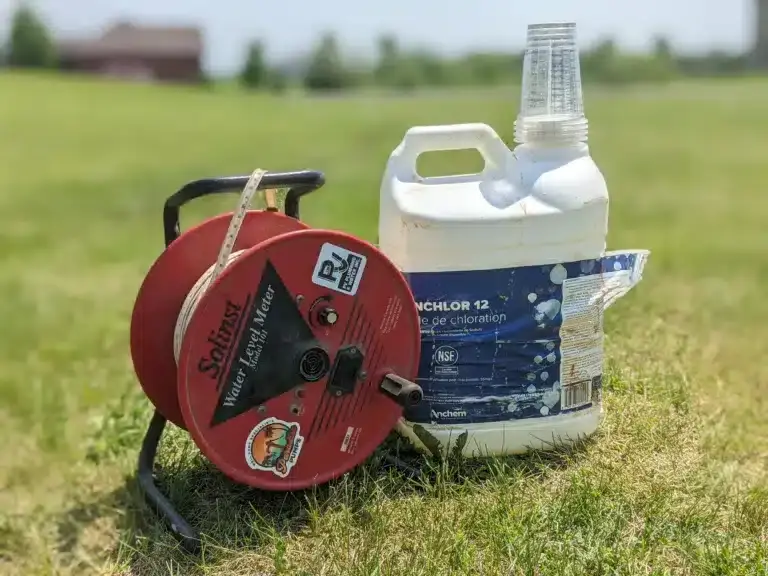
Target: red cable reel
{"x":297,"y":360}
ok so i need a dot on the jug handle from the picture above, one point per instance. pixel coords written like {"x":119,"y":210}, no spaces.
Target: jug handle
{"x":474,"y":136}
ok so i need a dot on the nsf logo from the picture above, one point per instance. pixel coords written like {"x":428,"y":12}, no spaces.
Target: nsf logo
{"x":446,"y":356}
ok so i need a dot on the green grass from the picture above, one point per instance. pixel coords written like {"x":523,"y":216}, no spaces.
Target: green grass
{"x":675,"y":482}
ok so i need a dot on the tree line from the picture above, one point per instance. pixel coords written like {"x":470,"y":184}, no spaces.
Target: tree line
{"x":30,"y":44}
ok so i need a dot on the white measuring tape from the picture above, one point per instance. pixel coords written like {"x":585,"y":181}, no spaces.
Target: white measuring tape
{"x":226,"y":257}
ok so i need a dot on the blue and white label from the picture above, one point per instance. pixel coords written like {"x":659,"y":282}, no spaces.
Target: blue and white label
{"x":516,"y":343}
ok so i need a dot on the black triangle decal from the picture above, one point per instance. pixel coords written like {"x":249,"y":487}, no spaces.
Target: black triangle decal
{"x":265,"y":362}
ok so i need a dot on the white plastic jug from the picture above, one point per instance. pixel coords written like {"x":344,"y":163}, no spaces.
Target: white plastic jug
{"x":509,"y":268}
{"x":488,"y":257}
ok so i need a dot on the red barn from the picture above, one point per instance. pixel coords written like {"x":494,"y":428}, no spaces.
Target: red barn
{"x":150,"y":53}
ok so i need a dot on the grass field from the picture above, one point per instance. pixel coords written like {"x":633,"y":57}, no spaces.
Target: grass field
{"x":675,"y":482}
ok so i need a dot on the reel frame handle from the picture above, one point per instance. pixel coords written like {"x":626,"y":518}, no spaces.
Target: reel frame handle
{"x":299,"y":183}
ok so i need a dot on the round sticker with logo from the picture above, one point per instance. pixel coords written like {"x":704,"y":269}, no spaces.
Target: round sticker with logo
{"x":274,"y":446}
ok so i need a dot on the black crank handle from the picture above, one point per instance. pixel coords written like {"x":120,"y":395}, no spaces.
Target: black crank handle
{"x":299,"y":183}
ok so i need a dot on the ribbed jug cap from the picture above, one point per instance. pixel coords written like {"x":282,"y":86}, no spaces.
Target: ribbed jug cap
{"x":551,"y":104}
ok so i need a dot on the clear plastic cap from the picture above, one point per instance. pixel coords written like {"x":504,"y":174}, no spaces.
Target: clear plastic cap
{"x":551,"y":106}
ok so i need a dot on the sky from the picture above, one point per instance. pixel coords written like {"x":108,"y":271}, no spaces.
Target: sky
{"x":290,"y":28}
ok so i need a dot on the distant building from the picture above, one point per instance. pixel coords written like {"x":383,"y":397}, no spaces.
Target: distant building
{"x":148,"y":53}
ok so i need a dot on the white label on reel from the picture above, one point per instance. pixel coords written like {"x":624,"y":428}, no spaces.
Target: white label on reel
{"x":339,"y":269}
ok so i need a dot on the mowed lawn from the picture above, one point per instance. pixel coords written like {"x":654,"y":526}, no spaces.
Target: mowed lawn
{"x":675,"y":482}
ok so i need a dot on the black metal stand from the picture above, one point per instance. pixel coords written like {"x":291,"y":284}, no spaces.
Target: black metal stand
{"x":299,"y":184}
{"x":187,"y":535}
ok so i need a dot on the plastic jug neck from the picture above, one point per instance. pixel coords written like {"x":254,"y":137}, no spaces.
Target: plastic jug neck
{"x":552,"y":150}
